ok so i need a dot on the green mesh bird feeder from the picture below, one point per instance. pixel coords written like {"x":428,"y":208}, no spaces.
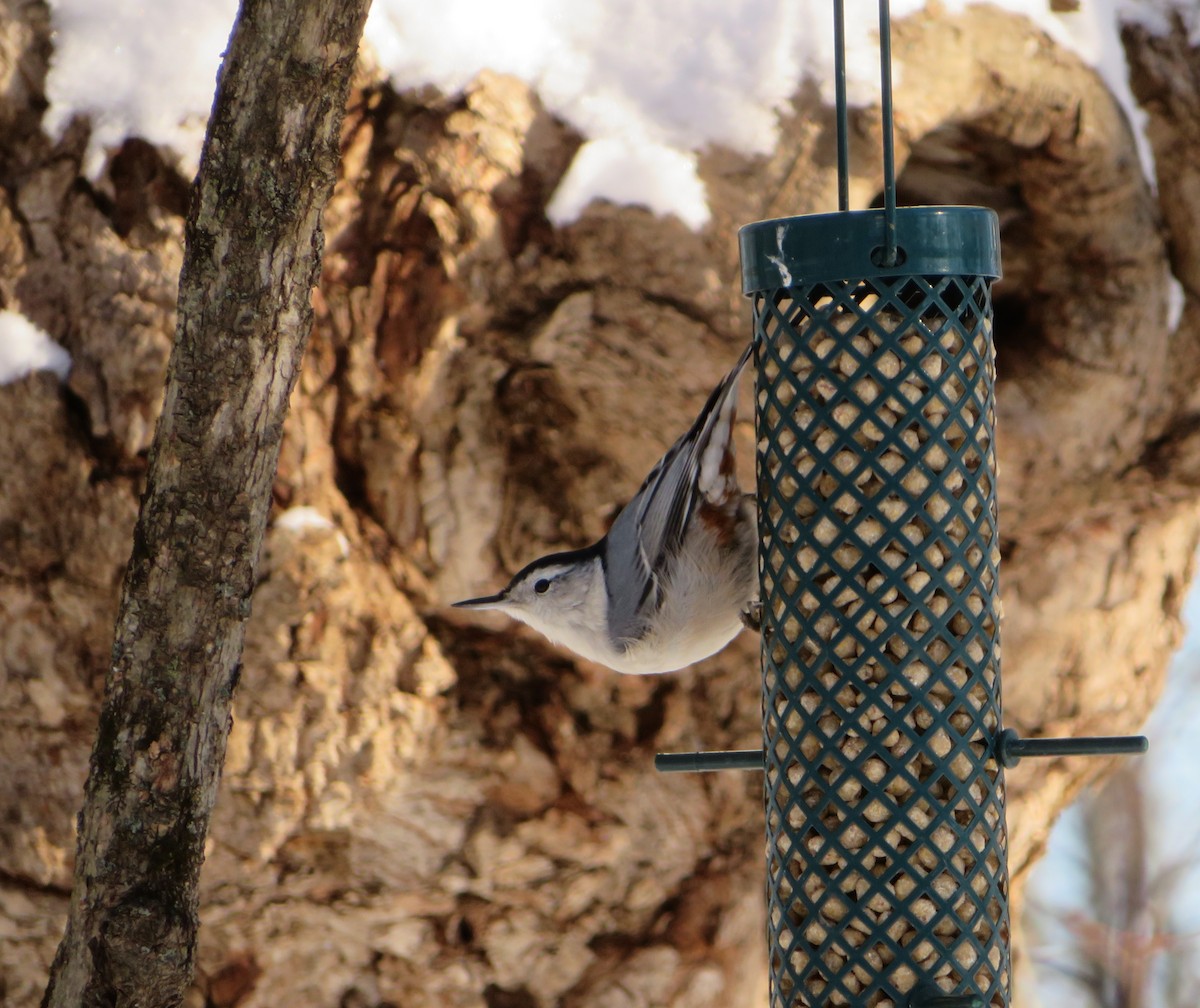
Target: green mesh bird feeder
{"x":879,"y":563}
{"x":883,"y":748}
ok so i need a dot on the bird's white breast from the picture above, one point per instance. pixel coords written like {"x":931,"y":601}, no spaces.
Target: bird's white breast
{"x":707,"y":589}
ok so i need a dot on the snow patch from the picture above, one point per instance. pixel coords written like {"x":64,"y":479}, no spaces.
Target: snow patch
{"x":658,"y":177}
{"x":297,"y":519}
{"x":137,"y":69}
{"x":25,"y":348}
{"x":1094,"y":32}
{"x":1176,"y":302}
{"x":647,"y":84}
{"x":301,"y":519}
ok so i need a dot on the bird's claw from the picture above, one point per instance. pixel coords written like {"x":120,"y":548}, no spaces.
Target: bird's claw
{"x":752,"y":617}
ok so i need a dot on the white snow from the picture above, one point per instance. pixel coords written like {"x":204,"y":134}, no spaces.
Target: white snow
{"x":648,"y":84}
{"x":1157,"y":16}
{"x":1094,"y":32}
{"x":137,"y":69}
{"x":1176,"y":302}
{"x":625,"y":171}
{"x":298,"y":519}
{"x":24,"y":348}
{"x":303,"y":518}
{"x":684,"y":73}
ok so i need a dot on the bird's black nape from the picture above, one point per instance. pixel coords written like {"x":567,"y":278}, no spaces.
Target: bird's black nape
{"x":564,"y":559}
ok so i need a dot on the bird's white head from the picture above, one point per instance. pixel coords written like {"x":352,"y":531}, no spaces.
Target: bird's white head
{"x":561,"y":596}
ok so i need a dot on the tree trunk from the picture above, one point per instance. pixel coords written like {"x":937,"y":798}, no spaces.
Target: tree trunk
{"x":252,"y":256}
{"x":428,"y":810}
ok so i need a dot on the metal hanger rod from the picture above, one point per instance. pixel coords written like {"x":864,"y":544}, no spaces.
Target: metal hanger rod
{"x":839,"y":86}
{"x":889,"y":147}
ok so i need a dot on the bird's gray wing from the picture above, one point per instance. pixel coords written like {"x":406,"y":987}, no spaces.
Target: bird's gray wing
{"x":650,"y":528}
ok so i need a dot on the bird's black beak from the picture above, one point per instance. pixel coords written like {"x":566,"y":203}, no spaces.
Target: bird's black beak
{"x":483,"y":602}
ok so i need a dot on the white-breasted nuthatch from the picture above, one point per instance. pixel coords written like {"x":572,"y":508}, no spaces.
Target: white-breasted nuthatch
{"x":675,"y":578}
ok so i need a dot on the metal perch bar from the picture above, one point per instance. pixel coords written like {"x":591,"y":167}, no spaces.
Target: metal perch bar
{"x":1011,"y":749}
{"x":938,"y":1000}
{"x":731,"y":759}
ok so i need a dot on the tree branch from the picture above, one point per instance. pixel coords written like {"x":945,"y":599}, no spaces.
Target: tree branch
{"x":253,"y":252}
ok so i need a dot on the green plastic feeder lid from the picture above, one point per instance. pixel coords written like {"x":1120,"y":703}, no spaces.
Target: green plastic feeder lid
{"x":819,"y":248}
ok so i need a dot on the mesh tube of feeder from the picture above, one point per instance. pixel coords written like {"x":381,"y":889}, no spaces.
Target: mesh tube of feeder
{"x":886,"y":847}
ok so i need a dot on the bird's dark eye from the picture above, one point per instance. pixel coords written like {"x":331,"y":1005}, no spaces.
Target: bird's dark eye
{"x":541,"y":586}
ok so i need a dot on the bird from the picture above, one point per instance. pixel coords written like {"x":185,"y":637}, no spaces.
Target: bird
{"x":675,"y":578}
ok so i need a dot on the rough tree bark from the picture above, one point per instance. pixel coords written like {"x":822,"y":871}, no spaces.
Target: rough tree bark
{"x":436,"y":812}
{"x":252,"y":257}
